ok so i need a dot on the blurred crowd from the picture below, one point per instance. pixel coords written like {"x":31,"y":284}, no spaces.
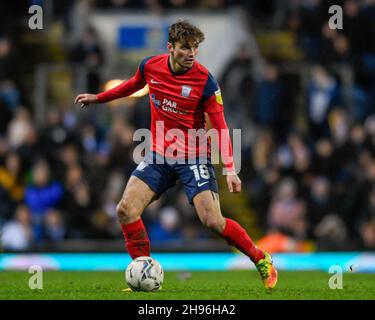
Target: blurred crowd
{"x":313,"y":180}
{"x":308,"y":165}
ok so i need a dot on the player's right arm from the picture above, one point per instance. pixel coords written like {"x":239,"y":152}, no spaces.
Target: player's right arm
{"x":125,"y":89}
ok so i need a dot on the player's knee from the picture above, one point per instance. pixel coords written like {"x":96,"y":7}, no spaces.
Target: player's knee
{"x":209,"y":223}
{"x":126,"y":210}
{"x":212,"y":220}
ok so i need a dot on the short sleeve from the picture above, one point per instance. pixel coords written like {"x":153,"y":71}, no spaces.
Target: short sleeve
{"x":212,"y":100}
{"x":142,"y":66}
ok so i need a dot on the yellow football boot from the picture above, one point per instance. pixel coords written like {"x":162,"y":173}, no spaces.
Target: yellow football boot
{"x":267,"y":271}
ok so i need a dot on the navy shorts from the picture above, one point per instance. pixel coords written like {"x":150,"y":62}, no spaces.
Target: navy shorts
{"x":195,"y":177}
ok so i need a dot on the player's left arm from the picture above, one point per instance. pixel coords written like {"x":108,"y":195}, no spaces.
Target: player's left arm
{"x":213,"y":106}
{"x":226,"y":151}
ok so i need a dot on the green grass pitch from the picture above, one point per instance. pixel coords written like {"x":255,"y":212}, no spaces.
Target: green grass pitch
{"x":231,"y":285}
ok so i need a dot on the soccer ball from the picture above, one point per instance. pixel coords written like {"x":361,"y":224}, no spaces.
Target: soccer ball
{"x":144,"y":274}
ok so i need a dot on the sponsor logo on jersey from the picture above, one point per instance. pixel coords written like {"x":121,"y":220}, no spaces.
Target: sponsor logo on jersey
{"x":155,"y":101}
{"x":171,"y":106}
{"x":185,"y":91}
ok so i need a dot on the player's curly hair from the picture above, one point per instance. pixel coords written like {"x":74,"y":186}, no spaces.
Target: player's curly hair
{"x":184,"y":32}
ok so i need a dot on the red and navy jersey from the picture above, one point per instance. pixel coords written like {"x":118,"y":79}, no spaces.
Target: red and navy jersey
{"x":178,"y":101}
